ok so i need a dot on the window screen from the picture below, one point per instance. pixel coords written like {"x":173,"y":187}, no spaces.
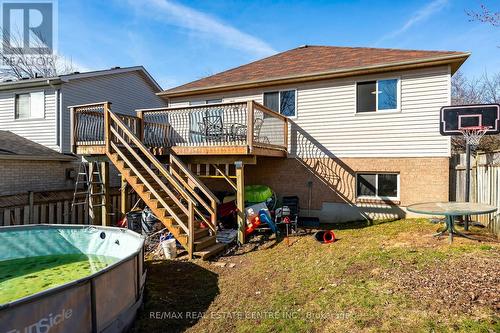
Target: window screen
{"x":194,"y":103}
{"x":214,"y":101}
{"x":37,"y":105}
{"x":22,"y":106}
{"x":365,"y":96}
{"x":387,"y":94}
{"x":287,"y":103}
{"x":367,"y":185}
{"x":271,"y":101}
{"x":387,"y":185}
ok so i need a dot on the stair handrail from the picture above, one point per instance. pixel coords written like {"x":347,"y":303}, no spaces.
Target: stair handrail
{"x":149,"y":186}
{"x":214,"y":201}
{"x":150,"y":156}
{"x":108,"y":117}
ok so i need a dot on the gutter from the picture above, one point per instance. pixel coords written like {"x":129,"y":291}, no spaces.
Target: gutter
{"x":29,"y":83}
{"x":353,"y":71}
{"x":63,"y":158}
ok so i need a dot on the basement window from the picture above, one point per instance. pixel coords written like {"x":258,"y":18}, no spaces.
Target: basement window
{"x":283,"y":102}
{"x":377,"y":186}
{"x":30,"y":105}
{"x":379,"y":95}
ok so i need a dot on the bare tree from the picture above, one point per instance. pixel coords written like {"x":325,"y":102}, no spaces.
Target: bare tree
{"x":20,"y":63}
{"x":484,"y":90}
{"x":484,"y":15}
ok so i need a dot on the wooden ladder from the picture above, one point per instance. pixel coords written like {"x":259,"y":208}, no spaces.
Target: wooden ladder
{"x":174,"y":194}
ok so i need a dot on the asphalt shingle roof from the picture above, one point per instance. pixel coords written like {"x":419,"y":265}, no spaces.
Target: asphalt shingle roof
{"x":14,"y":145}
{"x":310,"y":60}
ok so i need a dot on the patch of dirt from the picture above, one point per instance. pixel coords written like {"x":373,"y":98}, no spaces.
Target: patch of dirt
{"x":254,"y":243}
{"x":464,"y":284}
{"x":425,"y":239}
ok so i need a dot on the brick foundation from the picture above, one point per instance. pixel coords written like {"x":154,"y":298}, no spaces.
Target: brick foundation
{"x":333,"y":180}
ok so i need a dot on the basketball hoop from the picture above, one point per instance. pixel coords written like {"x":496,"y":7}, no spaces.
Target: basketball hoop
{"x":474,"y":134}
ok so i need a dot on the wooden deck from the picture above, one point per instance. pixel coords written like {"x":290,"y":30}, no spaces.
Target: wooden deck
{"x":207,"y":141}
{"x":184,"y":132}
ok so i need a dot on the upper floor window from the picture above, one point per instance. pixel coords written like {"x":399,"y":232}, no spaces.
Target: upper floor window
{"x":30,"y":106}
{"x":282,"y":102}
{"x":204,"y":102}
{"x":214,"y":101}
{"x":380,"y":95}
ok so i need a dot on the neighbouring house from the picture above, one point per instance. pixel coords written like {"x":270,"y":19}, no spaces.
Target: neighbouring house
{"x":37,"y":109}
{"x":363,"y":132}
{"x":29,"y":166}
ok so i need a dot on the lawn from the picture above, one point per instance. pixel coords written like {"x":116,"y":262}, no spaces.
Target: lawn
{"x":381,"y":277}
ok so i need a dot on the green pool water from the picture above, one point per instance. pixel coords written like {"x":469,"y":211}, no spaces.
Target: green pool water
{"x":27,"y":276}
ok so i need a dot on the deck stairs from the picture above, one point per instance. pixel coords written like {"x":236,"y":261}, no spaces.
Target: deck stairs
{"x":185,"y":206}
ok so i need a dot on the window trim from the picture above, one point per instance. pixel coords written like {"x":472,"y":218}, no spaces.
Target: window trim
{"x":200,"y":102}
{"x":217,"y":101}
{"x":398,"y":96}
{"x":279,"y":99}
{"x":377,"y":197}
{"x":29,"y":93}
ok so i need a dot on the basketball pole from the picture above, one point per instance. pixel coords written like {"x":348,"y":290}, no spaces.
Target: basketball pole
{"x":467,"y":182}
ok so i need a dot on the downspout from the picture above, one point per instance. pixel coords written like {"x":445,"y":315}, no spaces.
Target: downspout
{"x":58,"y":111}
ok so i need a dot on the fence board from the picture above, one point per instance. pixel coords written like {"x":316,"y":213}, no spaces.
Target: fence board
{"x":485,"y":185}
{"x":57,"y":211}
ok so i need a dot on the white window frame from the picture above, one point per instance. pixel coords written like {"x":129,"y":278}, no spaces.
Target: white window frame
{"x":398,"y":96}
{"x":218,"y":101}
{"x":197,"y":103}
{"x":205,"y":102}
{"x":30,"y":117}
{"x":279,"y":100}
{"x":377,"y":197}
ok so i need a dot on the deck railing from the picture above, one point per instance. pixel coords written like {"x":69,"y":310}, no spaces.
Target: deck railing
{"x":88,"y":123}
{"x":224,"y":124}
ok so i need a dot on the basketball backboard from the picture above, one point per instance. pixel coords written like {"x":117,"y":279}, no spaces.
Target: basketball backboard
{"x":456,"y":119}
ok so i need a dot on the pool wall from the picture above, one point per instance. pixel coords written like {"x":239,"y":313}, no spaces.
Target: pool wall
{"x":105,"y":301}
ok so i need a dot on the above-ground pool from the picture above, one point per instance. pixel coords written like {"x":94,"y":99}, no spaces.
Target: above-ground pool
{"x":67,"y":278}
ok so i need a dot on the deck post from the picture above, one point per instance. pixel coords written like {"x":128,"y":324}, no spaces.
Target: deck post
{"x":106,"y":207}
{"x":191,"y":229}
{"x":140,"y":130}
{"x":94,"y":212}
{"x":73,"y":125}
{"x":285,"y":134}
{"x":250,"y":112}
{"x":240,"y":200}
{"x":124,"y":197}
{"x":107,"y":124}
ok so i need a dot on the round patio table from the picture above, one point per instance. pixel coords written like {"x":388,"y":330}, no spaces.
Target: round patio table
{"x":451,"y":210}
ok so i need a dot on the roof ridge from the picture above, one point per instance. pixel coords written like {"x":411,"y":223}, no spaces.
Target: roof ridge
{"x":372,"y":48}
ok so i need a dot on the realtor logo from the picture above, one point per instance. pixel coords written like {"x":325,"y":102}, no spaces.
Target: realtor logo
{"x":28,"y":27}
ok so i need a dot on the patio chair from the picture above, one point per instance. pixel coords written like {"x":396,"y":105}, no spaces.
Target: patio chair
{"x":240,"y":131}
{"x":211,"y":128}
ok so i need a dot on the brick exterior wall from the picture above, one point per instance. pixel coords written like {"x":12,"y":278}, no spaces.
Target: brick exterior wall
{"x":333,"y":180}
{"x":21,"y":176}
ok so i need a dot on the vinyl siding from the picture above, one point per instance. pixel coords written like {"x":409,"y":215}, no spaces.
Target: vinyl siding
{"x":327,"y":124}
{"x":42,"y":131}
{"x":126,"y":91}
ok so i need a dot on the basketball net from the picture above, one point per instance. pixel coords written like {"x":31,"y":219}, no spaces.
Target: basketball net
{"x":474,"y":134}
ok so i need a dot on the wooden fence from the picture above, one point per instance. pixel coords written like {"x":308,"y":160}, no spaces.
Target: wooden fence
{"x":53,"y":207}
{"x":484,"y":187}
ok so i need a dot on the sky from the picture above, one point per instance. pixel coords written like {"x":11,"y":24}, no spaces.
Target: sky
{"x":180,"y":41}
